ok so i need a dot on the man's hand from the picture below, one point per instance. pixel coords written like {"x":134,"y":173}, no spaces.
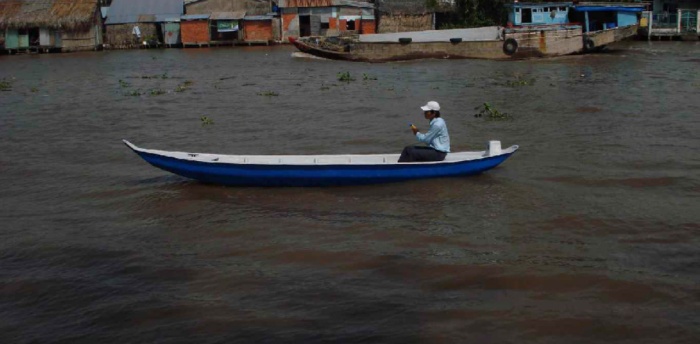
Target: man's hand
{"x":414,"y":129}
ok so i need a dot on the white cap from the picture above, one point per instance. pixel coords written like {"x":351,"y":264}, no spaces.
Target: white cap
{"x":431,"y":106}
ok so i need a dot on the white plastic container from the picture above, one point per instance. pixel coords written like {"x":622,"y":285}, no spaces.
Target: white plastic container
{"x":493,"y":148}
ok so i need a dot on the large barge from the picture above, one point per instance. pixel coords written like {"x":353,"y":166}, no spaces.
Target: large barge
{"x":535,"y":30}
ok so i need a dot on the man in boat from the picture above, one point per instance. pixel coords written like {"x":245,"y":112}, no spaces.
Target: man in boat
{"x":437,"y":138}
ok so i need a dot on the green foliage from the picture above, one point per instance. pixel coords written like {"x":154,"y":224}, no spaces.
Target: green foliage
{"x":268,"y":94}
{"x":206,"y":120}
{"x":476,"y":13}
{"x":345,"y":77}
{"x":520,"y":81}
{"x":491,"y":114}
{"x":368,"y":77}
{"x":133,"y":93}
{"x":5,"y":85}
{"x":156,"y":92}
{"x":123,"y":83}
{"x":34,"y":89}
{"x":184,"y":86}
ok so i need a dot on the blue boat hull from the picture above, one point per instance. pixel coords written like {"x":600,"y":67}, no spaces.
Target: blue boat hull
{"x":315,"y":175}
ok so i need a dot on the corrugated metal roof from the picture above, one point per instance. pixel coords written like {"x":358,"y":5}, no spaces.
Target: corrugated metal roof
{"x":228,"y":15}
{"x":194,"y":17}
{"x":324,"y":3}
{"x":131,"y":11}
{"x":258,"y":18}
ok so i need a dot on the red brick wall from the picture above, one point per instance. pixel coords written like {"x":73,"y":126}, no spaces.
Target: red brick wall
{"x":343,"y":25}
{"x":194,"y":31}
{"x":332,"y":23}
{"x":258,"y":30}
{"x":368,"y":26}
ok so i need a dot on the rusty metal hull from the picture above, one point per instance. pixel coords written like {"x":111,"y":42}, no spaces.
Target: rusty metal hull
{"x":519,"y":43}
{"x":598,"y":39}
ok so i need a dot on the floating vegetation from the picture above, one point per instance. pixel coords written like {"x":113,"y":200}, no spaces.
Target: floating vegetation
{"x":185,"y":85}
{"x":156,"y":92}
{"x":520,"y":81}
{"x":206,"y":120}
{"x":345,"y":77}
{"x":490,"y":113}
{"x":268,"y":94}
{"x":134,"y":93}
{"x":436,"y":87}
{"x":323,"y":88}
{"x":34,"y":89}
{"x":248,"y":84}
{"x":123,"y":83}
{"x":5,"y":85}
{"x":368,"y":77}
{"x":156,"y":76}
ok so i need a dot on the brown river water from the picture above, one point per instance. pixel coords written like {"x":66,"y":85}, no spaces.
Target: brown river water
{"x":588,"y":234}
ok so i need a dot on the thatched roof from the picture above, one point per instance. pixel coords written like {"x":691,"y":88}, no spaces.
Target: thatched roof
{"x":56,"y":14}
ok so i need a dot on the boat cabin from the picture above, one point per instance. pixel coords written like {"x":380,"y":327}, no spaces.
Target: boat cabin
{"x":543,"y":13}
{"x":598,"y":16}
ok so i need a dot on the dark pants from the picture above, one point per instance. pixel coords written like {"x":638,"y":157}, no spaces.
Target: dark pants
{"x":421,"y":153}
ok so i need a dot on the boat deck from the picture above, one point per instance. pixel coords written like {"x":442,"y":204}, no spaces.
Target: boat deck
{"x":346,"y":159}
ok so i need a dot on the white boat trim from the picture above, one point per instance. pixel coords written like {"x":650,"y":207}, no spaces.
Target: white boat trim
{"x":341,"y":159}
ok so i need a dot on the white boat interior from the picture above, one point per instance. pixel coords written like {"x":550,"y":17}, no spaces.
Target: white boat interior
{"x":494,"y":149}
{"x":487,"y":33}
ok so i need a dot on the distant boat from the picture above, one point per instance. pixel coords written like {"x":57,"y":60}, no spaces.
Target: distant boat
{"x":318,"y":170}
{"x":536,"y":30}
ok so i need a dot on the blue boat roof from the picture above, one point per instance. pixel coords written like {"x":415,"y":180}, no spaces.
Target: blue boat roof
{"x":540,"y":4}
{"x":139,"y":11}
{"x":608,"y":8}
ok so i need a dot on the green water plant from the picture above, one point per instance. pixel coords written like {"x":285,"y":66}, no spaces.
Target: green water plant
{"x":520,"y":81}
{"x":368,"y":77}
{"x":5,"y":85}
{"x":345,"y":77}
{"x":34,"y":89}
{"x":156,"y":92}
{"x":268,"y":94}
{"x":123,"y":83}
{"x":133,"y":93}
{"x":490,"y":113}
{"x":206,"y":120}
{"x":185,"y":85}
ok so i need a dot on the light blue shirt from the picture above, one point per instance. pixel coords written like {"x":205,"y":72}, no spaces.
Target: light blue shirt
{"x":437,"y":136}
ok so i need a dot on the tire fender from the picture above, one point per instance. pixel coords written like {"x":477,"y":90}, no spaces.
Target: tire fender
{"x":510,"y":46}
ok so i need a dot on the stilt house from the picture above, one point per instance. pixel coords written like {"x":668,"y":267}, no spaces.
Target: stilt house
{"x":303,"y":18}
{"x":50,"y":25}
{"x":135,"y":23}
{"x":217,"y":22}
